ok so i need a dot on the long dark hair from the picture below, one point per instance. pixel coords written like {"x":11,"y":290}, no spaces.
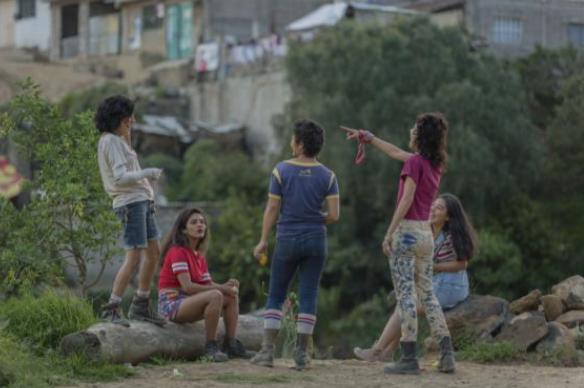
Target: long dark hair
{"x":178,"y":237}
{"x":464,"y":237}
{"x":432,"y":131}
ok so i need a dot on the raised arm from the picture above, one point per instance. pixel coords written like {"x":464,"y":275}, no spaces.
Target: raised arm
{"x":387,"y":148}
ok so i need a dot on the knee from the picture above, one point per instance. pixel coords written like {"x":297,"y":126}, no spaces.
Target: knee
{"x":216,"y":298}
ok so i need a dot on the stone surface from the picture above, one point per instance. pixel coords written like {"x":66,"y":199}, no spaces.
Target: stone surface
{"x":479,"y":316}
{"x":571,"y":289}
{"x":553,"y":306}
{"x":574,"y":302}
{"x":558,"y":340}
{"x":528,"y":302}
{"x":524,"y":330}
{"x":572,"y":318}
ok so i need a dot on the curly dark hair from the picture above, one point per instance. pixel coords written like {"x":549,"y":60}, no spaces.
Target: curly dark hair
{"x":464,"y":237}
{"x":112,"y":111}
{"x":311,"y":135}
{"x":432,"y":131}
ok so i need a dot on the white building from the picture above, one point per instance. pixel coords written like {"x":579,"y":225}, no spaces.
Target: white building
{"x":32,"y":24}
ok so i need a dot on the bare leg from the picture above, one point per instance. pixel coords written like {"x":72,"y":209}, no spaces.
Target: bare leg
{"x":389,"y":339}
{"x":207,"y":305}
{"x":230,"y":315}
{"x":126,"y":271}
{"x":149,"y":265}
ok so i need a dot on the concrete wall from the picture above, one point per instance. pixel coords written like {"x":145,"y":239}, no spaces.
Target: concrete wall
{"x":7,"y":11}
{"x":247,"y":18}
{"x":35,"y":31}
{"x":251,"y":101}
{"x":544,"y":22}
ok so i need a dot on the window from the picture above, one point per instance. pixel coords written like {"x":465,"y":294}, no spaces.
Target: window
{"x":576,"y":34}
{"x":26,"y":9}
{"x":153,"y":16}
{"x":507,"y":31}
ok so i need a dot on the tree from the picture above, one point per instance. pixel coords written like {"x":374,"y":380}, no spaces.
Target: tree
{"x":380,"y":78}
{"x":69,"y":220}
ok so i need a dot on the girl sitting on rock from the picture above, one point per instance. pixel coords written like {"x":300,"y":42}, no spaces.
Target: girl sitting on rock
{"x":455,"y":243}
{"x":187,"y":292}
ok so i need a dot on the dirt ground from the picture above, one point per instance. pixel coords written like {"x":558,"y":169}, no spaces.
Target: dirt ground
{"x":347,"y":373}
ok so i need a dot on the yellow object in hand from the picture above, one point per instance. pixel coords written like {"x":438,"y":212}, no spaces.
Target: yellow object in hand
{"x":263,"y":259}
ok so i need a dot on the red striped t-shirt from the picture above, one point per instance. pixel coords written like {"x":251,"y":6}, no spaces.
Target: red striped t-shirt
{"x":181,"y":259}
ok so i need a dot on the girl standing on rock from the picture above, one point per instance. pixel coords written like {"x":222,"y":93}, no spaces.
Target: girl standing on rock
{"x":455,"y":243}
{"x":408,"y":242}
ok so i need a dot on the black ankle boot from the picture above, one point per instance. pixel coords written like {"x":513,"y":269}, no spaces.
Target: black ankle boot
{"x":408,"y":362}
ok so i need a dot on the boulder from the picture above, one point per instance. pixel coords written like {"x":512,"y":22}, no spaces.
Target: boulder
{"x":479,"y":316}
{"x":571,"y":318}
{"x":558,"y":340}
{"x":574,"y":302}
{"x":553,"y":306}
{"x":528,"y":302}
{"x":524,"y":330}
{"x":571,"y":289}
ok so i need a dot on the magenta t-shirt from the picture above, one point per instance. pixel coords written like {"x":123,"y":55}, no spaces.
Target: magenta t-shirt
{"x":427,"y":180}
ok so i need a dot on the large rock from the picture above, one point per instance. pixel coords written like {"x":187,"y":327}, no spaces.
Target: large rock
{"x":479,"y":316}
{"x":524,"y":330}
{"x":573,"y":302}
{"x":558,"y":340}
{"x":528,"y":302}
{"x":571,"y":318}
{"x":570,"y":290}
{"x":553,"y":306}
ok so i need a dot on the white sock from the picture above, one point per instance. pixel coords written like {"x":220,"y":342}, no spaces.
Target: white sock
{"x":115,"y":298}
{"x":143,"y":293}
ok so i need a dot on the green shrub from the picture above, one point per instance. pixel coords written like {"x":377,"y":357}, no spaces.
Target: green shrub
{"x":485,"y":352}
{"x":43,"y":321}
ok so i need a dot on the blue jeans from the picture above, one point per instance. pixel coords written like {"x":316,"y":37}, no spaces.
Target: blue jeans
{"x":305,"y":254}
{"x":139,"y":224}
{"x":450,"y":288}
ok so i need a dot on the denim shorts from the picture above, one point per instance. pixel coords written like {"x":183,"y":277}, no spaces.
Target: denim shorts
{"x":450,"y":288}
{"x":139,"y":224}
{"x":169,"y":302}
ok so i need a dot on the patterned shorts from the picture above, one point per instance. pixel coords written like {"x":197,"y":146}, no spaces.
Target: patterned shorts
{"x":169,"y":302}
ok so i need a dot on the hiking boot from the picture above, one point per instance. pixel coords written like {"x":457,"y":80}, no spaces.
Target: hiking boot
{"x":301,"y":356}
{"x":446,"y":364}
{"x":371,"y":355}
{"x":140,"y":310}
{"x":235,"y":349}
{"x":265,"y":357}
{"x":112,"y":312}
{"x":213,"y":353}
{"x":407,"y":364}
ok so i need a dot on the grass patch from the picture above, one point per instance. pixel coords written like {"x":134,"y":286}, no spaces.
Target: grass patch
{"x":42,"y":321}
{"x":21,"y":367}
{"x":30,"y":331}
{"x":234,"y":378}
{"x":486,"y":352}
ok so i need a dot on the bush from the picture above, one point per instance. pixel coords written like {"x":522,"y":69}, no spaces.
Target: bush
{"x":234,"y":234}
{"x":485,"y":352}
{"x":69,"y":219}
{"x":43,"y":321}
{"x":497,"y":267}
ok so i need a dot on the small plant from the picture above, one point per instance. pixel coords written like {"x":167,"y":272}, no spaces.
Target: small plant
{"x":579,"y":341}
{"x":288,"y":332}
{"x":43,"y":321}
{"x":486,"y":352}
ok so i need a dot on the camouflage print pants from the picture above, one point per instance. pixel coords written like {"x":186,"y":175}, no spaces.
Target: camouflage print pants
{"x":411,"y":271}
